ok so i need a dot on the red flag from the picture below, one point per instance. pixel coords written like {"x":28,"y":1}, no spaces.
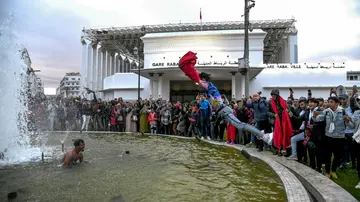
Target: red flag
{"x":187,"y":65}
{"x":200,"y":15}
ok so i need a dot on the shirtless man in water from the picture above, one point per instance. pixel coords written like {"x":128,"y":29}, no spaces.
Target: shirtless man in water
{"x":74,"y":154}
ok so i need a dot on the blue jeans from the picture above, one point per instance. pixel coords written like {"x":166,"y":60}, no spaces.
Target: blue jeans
{"x":227,"y":115}
{"x":294,"y":140}
{"x":205,"y":126}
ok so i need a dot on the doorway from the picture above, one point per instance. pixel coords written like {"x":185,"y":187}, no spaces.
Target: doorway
{"x":187,"y":90}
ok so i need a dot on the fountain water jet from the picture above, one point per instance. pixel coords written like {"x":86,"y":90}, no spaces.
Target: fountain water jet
{"x":15,"y":137}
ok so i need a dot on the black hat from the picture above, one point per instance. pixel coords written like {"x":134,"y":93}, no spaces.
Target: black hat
{"x":275,"y":92}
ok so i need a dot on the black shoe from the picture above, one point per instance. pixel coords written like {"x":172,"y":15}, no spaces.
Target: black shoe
{"x":276,"y":152}
{"x":260,"y":150}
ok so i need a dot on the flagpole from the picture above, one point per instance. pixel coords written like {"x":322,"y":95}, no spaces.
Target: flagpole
{"x":200,"y":20}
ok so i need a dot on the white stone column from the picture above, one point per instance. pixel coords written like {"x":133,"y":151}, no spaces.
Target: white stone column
{"x":99,"y":70}
{"x":104,"y":68}
{"x":160,"y":85}
{"x":94,"y":67}
{"x":117,"y":63}
{"x":112,"y":63}
{"x":89,"y":66}
{"x":108,"y":59}
{"x":151,"y":85}
{"x":233,"y":85}
{"x":121,"y":64}
{"x":83,"y":67}
{"x":243,"y":86}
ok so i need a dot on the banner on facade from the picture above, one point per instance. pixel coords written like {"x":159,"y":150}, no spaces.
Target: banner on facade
{"x":232,"y":63}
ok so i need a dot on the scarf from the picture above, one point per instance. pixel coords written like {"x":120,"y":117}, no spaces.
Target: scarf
{"x":283,"y":128}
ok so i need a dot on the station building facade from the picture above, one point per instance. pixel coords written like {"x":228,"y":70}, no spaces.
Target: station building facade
{"x":110,"y":66}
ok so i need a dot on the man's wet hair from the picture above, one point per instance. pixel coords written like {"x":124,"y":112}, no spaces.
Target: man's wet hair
{"x":77,"y":142}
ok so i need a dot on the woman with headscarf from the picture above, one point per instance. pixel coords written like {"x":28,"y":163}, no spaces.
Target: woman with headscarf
{"x":144,"y":126}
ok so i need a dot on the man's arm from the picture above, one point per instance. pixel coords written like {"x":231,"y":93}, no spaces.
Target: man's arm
{"x":271,"y":113}
{"x":319,"y":116}
{"x":67,"y":160}
{"x":81,"y":158}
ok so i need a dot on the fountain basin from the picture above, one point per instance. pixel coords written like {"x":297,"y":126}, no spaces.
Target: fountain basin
{"x":156,"y":169}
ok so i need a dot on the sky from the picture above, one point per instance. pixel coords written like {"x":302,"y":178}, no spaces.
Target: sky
{"x":329,"y":30}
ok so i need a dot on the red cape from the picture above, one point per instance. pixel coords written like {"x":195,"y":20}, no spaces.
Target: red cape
{"x":282,"y":130}
{"x":187,"y":65}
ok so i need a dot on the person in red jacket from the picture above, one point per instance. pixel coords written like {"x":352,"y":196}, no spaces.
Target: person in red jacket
{"x":152,"y":121}
{"x":113,"y":116}
{"x":231,"y":130}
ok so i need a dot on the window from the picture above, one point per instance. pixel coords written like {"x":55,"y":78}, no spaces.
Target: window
{"x":72,"y":78}
{"x":353,"y":76}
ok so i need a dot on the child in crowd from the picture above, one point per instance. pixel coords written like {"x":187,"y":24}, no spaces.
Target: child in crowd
{"x":152,"y":121}
{"x":113,"y":117}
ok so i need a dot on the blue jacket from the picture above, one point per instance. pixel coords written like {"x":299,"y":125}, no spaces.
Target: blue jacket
{"x":205,"y":108}
{"x":212,"y":90}
{"x":260,"y":108}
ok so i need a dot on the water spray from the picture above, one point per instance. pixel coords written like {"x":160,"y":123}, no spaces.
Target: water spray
{"x":2,"y":156}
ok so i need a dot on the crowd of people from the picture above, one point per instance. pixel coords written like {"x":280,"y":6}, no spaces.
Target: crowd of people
{"x":308,"y":129}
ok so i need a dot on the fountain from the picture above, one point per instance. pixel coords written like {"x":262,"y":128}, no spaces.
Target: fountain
{"x":133,"y":167}
{"x":14,"y":138}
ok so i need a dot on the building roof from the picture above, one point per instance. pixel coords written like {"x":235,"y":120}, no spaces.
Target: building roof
{"x":124,"y":39}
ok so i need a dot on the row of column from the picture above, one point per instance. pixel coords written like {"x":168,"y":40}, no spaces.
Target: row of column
{"x":159,"y":79}
{"x":97,"y":64}
{"x":233,"y":85}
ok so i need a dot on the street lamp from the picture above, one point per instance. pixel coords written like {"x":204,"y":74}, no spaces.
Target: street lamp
{"x":244,"y":68}
{"x":136,"y":52}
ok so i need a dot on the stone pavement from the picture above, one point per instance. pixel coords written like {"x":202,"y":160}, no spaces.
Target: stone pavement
{"x":320,"y":187}
{"x":294,"y":189}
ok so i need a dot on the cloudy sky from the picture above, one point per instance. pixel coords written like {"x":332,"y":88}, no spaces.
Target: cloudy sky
{"x":328,"y":29}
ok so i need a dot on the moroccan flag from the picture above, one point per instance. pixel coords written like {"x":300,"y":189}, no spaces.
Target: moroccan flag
{"x":187,"y":65}
{"x":200,"y":14}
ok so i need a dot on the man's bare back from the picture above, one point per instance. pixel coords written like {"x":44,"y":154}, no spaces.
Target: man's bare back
{"x":75,"y":154}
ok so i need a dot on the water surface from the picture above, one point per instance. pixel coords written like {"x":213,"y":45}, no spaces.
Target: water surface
{"x":157,"y":169}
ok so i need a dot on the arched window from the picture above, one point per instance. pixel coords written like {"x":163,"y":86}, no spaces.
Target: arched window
{"x":133,"y":65}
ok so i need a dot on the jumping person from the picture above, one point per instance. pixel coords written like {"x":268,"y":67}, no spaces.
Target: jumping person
{"x":187,"y":65}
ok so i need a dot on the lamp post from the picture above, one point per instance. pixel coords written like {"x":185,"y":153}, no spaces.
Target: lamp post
{"x":245,"y":68}
{"x":136,"y":52}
